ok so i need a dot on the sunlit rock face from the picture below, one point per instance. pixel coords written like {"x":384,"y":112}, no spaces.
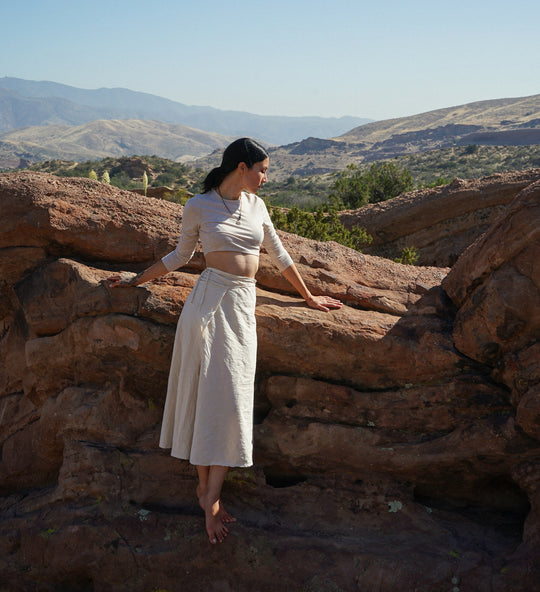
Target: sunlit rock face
{"x":439,"y":223}
{"x":397,"y":440}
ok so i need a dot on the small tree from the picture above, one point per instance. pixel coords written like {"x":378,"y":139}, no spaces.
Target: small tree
{"x":386,"y":180}
{"x":356,"y":187}
{"x":105,"y":178}
{"x":93,"y":175}
{"x":350,"y":188}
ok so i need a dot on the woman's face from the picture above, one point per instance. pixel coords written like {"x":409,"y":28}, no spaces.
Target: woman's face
{"x":255,"y":177}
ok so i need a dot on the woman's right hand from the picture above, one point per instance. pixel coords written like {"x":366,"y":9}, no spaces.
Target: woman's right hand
{"x":128,"y":279}
{"x":121,"y":281}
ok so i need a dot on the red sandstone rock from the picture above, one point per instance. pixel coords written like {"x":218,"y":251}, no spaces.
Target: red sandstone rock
{"x":514,"y":235}
{"x":391,"y":452}
{"x":441,"y":222}
{"x":96,"y":222}
{"x":496,"y":286}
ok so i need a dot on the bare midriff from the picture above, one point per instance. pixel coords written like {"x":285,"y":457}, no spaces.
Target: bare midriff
{"x":233,"y":262}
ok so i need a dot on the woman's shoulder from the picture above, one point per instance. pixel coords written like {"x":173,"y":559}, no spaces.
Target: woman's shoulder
{"x":200,"y":199}
{"x":209,"y":195}
{"x":254,"y":200}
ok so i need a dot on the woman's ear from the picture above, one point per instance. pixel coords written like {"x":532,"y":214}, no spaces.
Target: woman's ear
{"x":242,"y":168}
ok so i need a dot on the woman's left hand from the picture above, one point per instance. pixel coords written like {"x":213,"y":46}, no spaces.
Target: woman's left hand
{"x":323,"y":303}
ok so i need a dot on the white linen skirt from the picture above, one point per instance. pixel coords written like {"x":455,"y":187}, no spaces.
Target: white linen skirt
{"x":208,"y":415}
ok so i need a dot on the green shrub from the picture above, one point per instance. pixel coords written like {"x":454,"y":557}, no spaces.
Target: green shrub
{"x":166,"y":179}
{"x":409,"y":256}
{"x":320,"y":225}
{"x":179,"y":196}
{"x":383,"y":180}
{"x":123,"y":181}
{"x":435,"y":183}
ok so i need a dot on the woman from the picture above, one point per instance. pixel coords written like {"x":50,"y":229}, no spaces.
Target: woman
{"x":209,"y":407}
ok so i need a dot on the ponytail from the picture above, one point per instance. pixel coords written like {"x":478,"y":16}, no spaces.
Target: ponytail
{"x":214,"y":179}
{"x":242,"y":150}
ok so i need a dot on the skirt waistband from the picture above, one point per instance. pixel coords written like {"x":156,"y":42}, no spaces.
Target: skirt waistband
{"x":228,"y":279}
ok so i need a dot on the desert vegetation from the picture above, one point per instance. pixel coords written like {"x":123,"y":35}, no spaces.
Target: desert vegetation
{"x":427,"y":169}
{"x":469,"y":162}
{"x":357,"y":186}
{"x":128,"y":172}
{"x":322,"y":225}
{"x":308,"y":206}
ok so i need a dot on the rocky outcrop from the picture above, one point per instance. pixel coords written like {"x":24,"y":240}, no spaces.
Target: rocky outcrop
{"x":396,"y":440}
{"x":496,"y":287}
{"x":441,"y":222}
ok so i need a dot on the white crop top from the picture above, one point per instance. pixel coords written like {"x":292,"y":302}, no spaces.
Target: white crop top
{"x":207,"y":218}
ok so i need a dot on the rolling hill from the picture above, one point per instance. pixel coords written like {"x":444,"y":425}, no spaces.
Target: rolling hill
{"x":497,"y":114}
{"x":102,"y":138}
{"x":502,"y":122}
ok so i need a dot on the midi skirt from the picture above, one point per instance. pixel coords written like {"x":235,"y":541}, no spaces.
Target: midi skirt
{"x":208,"y":415}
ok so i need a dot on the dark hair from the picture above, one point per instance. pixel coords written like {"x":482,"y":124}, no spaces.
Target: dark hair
{"x":241,"y":150}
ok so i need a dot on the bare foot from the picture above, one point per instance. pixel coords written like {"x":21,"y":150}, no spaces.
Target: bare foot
{"x":225,"y":517}
{"x":217,"y":531}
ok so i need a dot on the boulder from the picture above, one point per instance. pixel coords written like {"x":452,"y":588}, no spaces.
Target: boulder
{"x":396,"y":440}
{"x":496,"y":287}
{"x":441,"y":222}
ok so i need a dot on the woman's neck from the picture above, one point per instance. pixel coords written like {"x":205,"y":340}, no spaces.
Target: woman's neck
{"x":229,"y":189}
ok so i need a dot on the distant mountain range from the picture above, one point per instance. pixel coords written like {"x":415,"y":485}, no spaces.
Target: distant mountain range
{"x":46,"y":120}
{"x":29,"y":103}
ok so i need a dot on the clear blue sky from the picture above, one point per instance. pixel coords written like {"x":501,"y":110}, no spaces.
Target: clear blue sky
{"x":377,"y":59}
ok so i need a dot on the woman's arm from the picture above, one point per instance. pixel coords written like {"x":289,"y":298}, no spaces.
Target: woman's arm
{"x":151,"y":273}
{"x":175,"y":259}
{"x":318,"y":302}
{"x":285,"y":264}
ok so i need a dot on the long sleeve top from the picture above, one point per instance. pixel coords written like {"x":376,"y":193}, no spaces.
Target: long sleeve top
{"x":215,"y":223}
